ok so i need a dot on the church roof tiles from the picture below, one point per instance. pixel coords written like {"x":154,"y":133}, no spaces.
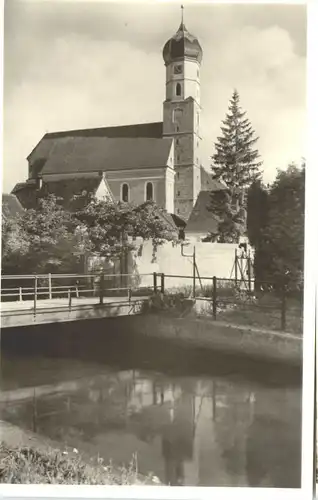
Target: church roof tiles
{"x":49,"y":140}
{"x":95,"y":154}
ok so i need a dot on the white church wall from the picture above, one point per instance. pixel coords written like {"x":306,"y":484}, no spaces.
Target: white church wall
{"x":169,"y":191}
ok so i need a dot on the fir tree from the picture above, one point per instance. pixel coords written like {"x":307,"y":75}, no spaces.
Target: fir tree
{"x":235,"y":160}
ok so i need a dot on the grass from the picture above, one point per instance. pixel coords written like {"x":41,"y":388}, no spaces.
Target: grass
{"x":28,"y":465}
{"x":237,"y":307}
{"x":267,"y":318}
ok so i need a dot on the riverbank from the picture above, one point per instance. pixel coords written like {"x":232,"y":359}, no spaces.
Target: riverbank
{"x":28,"y":458}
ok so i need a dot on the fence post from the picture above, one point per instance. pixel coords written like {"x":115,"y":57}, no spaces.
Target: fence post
{"x":101,"y":289}
{"x":50,"y":286}
{"x":249,"y":272}
{"x":194,"y":272}
{"x":235,"y":266}
{"x":20,"y":294}
{"x":129,"y":294}
{"x":155,"y":282}
{"x":214,"y":297}
{"x":69,"y":299}
{"x":35,"y":293}
{"x":283,"y":310}
{"x":162,"y":283}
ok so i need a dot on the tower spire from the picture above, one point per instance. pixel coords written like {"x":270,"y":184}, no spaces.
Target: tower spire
{"x":182,"y":24}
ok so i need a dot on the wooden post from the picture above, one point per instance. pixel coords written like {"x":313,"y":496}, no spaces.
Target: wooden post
{"x":69,"y":299}
{"x":214,"y":297}
{"x":20,"y":294}
{"x":50,"y":286}
{"x":249,"y":271}
{"x":129,"y":294}
{"x":283,"y":310}
{"x":35,"y":294}
{"x":101,"y":289}
{"x":235,"y":266}
{"x":194,"y":272}
{"x":155,"y":282}
{"x":162,"y":283}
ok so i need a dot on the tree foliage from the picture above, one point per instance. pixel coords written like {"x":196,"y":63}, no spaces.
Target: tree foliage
{"x":231,"y":216}
{"x":40,"y":240}
{"x":110,"y":228}
{"x":236,"y":161}
{"x":276,"y":228}
{"x":52,"y":239}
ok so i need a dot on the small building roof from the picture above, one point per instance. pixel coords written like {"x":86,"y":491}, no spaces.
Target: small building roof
{"x":75,"y":192}
{"x":210,"y":184}
{"x":11,"y":207}
{"x":201,"y":219}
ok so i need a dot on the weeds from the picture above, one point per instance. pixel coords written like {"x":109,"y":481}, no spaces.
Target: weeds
{"x":27,"y":465}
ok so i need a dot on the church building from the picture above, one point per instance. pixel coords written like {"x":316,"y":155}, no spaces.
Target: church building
{"x":134,"y":163}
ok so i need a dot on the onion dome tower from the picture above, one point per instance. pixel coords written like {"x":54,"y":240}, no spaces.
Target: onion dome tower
{"x":182,"y":55}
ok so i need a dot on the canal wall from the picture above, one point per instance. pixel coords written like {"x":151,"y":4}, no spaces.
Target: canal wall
{"x":219,"y":336}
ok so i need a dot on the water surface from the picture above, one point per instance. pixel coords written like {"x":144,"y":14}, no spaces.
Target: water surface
{"x":191,"y":418}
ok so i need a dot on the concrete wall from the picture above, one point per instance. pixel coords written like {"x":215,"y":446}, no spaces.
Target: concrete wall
{"x":213,"y":259}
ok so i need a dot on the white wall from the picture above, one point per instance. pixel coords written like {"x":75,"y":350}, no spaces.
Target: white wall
{"x":213,"y":259}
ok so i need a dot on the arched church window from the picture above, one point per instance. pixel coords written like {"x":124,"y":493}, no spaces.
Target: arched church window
{"x":178,"y":89}
{"x":125,"y":193}
{"x":149,"y":191}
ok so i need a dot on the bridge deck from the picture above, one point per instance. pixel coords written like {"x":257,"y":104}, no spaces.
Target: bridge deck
{"x":22,"y":313}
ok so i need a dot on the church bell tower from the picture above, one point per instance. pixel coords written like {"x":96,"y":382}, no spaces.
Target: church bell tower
{"x":182,"y":56}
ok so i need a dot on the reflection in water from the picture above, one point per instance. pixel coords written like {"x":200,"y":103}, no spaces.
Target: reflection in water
{"x":206,"y":431}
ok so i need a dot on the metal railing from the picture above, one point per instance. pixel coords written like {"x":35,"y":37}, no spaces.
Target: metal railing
{"x":258,"y":304}
{"x":54,"y":287}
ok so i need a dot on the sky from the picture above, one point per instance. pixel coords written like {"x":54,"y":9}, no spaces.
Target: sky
{"x":71,"y":65}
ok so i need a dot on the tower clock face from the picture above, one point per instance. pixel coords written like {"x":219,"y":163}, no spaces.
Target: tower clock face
{"x":178,"y":69}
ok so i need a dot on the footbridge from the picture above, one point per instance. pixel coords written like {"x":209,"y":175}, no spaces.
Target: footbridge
{"x":49,"y":298}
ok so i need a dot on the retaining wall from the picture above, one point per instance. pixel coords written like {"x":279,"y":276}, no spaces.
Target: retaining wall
{"x":220,"y":336}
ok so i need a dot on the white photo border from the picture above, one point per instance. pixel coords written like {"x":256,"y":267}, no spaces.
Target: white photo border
{"x":25,"y":492}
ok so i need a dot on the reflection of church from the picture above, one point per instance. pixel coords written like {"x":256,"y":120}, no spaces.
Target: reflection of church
{"x":187,"y":432}
{"x":134,"y":163}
